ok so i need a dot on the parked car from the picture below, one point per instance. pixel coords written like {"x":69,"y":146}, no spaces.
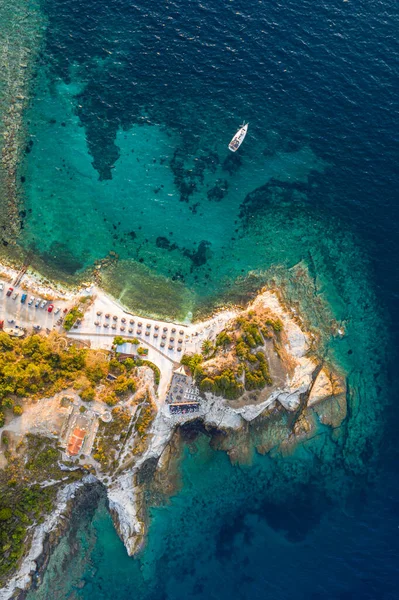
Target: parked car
{"x":23,"y":298}
{"x":31,"y":300}
{"x":15,"y":296}
{"x":10,"y":291}
{"x":37,"y":327}
{"x":50,"y":308}
{"x":37,"y":303}
{"x":1,"y":286}
{"x":10,"y":320}
{"x":43,"y":304}
{"x":65,"y":310}
{"x":57,"y":310}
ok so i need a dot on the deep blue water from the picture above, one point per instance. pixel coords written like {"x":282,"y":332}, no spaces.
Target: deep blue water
{"x":317,"y":180}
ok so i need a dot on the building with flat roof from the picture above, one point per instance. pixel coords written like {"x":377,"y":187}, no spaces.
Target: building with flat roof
{"x":183,"y":394}
{"x":184,"y":407}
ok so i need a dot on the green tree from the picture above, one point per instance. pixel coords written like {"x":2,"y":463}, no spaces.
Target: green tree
{"x":276,"y":324}
{"x":6,"y":342}
{"x":207,"y":348}
{"x":32,"y":374}
{"x":111,"y":400}
{"x":122,"y":385}
{"x":5,"y":514}
{"x":88,"y":394}
{"x":242,"y":349}
{"x":116,"y":367}
{"x":207,"y":385}
{"x":192,"y":361}
{"x":95,"y":373}
{"x":223,"y":339}
{"x":129,"y":364}
{"x":156,"y":371}
{"x":71,"y":317}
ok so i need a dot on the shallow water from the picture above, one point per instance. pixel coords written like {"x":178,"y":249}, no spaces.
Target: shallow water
{"x":226,"y":536}
{"x":133,"y":107}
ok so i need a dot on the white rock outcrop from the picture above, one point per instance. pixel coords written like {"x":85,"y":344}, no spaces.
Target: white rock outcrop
{"x":216,"y":412}
{"x":28,"y":567}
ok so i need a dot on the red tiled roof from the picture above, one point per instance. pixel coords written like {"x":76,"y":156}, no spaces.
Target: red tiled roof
{"x":76,"y":441}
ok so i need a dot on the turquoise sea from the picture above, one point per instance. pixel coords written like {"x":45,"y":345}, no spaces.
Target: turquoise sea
{"x":131,"y":110}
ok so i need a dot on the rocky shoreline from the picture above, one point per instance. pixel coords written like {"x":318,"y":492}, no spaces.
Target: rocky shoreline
{"x":126,"y":496}
{"x":231,"y":432}
{"x":315,"y":393}
{"x":305,"y":395}
{"x":46,"y":537}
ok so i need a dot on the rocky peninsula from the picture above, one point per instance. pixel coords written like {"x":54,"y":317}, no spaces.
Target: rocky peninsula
{"x":109,"y":395}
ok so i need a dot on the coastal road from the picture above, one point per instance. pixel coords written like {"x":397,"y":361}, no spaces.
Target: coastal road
{"x":103,"y":341}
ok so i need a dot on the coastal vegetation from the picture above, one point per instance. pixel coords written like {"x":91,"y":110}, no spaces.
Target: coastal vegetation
{"x":111,"y":436}
{"x":77,"y":312}
{"x":142,"y":351}
{"x":72,"y":317}
{"x":145,"y":417}
{"x":236,"y":361}
{"x":24,"y":499}
{"x":36,"y":365}
{"x":40,"y":366}
{"x":147,"y":363}
{"x":130,"y":362}
{"x":119,"y":340}
{"x":138,"y":361}
{"x":125,"y":425}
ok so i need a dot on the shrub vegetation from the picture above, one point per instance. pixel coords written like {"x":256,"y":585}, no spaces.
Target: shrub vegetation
{"x":71,"y":318}
{"x":243,"y":342}
{"x":40,"y":366}
{"x":23,"y":502}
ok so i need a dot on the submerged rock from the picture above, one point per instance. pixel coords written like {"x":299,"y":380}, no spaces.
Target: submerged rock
{"x":218,"y":191}
{"x":200,"y":256}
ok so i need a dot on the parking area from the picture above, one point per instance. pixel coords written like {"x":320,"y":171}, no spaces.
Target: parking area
{"x":20,"y":308}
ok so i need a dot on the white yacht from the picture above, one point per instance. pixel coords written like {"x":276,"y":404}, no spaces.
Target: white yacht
{"x":238,"y":138}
